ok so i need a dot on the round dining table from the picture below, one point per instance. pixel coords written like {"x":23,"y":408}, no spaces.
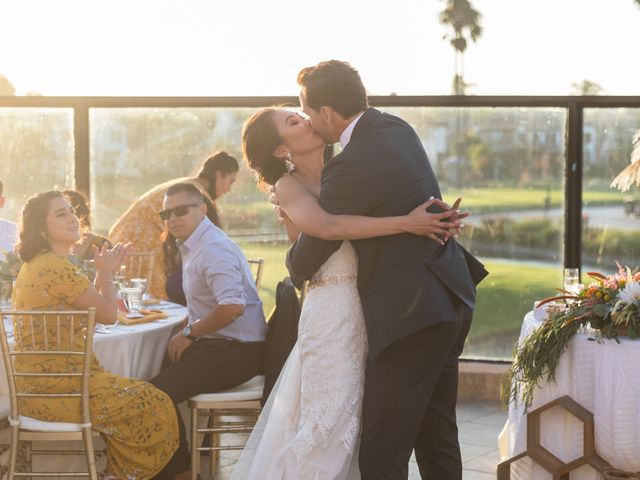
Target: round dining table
{"x":135,"y":351}
{"x":602,"y":376}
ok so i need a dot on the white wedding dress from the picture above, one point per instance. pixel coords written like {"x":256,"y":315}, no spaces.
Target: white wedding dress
{"x":310,"y":426}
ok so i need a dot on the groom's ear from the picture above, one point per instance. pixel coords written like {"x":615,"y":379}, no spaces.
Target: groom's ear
{"x":327,"y":114}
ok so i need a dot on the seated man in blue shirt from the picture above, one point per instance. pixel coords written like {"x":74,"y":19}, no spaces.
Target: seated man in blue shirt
{"x":222,"y":343}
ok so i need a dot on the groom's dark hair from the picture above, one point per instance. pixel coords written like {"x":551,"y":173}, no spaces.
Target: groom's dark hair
{"x":334,"y":84}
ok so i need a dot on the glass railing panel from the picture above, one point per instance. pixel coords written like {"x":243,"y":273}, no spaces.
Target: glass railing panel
{"x":36,"y":154}
{"x":507,"y":164}
{"x":610,"y":218}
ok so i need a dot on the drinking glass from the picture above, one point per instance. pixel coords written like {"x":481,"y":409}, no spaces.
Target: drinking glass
{"x":6,"y":289}
{"x":132,"y":297}
{"x":119,"y":277}
{"x":572,"y":280}
{"x":140,"y":283}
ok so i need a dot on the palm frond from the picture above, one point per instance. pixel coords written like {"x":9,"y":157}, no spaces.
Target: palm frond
{"x":631,"y":174}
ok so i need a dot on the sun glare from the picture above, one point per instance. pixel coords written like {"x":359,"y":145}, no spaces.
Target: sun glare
{"x":256,"y":48}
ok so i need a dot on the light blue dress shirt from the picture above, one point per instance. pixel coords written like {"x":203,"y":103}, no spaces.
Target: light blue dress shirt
{"x":215,"y":272}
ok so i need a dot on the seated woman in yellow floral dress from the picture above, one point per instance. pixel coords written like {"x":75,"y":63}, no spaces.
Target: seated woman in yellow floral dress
{"x":137,"y":421}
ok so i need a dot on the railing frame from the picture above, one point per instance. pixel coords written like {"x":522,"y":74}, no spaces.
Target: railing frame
{"x":574,"y":105}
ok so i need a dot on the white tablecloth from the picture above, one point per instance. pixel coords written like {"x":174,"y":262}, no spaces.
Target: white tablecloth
{"x":135,"y":351}
{"x":602,"y":377}
{"x":131,"y":351}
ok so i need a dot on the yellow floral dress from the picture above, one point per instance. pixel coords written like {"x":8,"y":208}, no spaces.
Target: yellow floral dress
{"x":136,"y":420}
{"x":142,"y":226}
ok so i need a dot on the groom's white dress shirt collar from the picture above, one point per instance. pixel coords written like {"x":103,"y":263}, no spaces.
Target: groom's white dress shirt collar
{"x":345,"y":138}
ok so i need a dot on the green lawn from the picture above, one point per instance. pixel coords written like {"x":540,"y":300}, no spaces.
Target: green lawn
{"x":509,"y":292}
{"x":503,"y":297}
{"x":478,"y":200}
{"x":256,"y":213}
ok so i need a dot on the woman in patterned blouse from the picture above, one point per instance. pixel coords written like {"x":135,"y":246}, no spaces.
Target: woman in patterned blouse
{"x":137,"y":421}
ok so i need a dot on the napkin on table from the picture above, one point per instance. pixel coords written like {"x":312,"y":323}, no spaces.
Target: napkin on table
{"x":149,"y":316}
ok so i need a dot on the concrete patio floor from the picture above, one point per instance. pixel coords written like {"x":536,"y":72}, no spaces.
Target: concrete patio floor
{"x":479,"y":421}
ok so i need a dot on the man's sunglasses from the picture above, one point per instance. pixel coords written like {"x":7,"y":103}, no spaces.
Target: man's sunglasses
{"x":179,"y":211}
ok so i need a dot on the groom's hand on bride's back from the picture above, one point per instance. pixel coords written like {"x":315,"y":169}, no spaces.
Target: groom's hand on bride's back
{"x":436,"y":220}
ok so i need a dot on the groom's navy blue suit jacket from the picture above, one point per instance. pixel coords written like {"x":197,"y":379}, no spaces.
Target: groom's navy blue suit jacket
{"x":406,"y":282}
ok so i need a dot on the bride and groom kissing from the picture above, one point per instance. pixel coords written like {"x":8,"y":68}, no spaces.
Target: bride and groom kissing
{"x":373,"y":375}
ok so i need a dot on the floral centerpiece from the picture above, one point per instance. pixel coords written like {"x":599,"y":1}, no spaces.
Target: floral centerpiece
{"x":610,"y":305}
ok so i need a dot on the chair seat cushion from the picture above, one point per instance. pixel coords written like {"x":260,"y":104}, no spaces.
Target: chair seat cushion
{"x":35,"y":425}
{"x":249,"y":390}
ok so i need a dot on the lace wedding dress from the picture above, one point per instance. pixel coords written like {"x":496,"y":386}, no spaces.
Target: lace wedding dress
{"x":309,"y":428}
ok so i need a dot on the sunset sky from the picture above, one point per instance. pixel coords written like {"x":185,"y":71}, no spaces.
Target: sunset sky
{"x":256,"y":47}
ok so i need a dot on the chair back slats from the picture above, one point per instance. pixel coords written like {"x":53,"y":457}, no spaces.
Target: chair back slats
{"x":50,"y":352}
{"x":141,"y":265}
{"x":33,"y":331}
{"x":48,"y":395}
{"x":52,"y":335}
{"x":259,"y":267}
{"x":58,"y":329}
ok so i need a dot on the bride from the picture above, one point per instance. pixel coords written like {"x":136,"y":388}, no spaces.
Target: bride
{"x":310,"y":425}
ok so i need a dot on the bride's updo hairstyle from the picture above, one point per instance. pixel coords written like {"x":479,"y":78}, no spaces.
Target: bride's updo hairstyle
{"x":260,"y":139}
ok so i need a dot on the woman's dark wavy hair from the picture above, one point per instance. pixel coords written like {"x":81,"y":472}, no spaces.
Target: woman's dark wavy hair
{"x":218,"y":162}
{"x":260,"y":138}
{"x":33,"y":224}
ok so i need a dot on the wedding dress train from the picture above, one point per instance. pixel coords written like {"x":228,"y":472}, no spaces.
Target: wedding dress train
{"x":309,"y":428}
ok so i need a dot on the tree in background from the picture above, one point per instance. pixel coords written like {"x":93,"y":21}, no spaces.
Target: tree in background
{"x":464,"y":21}
{"x":6,"y":87}
{"x":587,"y":87}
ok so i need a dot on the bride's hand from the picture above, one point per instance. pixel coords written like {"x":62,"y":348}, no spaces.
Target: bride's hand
{"x":437,"y":226}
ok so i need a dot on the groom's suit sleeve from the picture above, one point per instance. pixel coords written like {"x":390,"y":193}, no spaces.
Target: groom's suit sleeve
{"x":344,"y":191}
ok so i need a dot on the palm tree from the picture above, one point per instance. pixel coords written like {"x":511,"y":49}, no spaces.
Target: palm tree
{"x":587,"y":87}
{"x":6,"y":87}
{"x":464,"y":21}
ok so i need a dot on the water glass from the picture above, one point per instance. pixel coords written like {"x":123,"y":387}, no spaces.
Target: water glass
{"x":572,"y":280}
{"x":6,"y":289}
{"x":140,"y":283}
{"x":120,"y":275}
{"x":132,"y":297}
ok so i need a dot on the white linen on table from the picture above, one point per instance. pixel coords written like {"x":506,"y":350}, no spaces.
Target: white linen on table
{"x":134,"y":351}
{"x":602,"y":377}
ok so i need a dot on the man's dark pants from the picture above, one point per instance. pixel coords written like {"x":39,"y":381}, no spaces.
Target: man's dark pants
{"x":207,"y":366}
{"x":410,"y":403}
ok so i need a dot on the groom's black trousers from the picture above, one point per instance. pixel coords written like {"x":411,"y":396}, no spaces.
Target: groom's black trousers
{"x":410,"y":403}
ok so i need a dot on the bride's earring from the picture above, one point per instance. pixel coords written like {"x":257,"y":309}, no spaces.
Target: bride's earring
{"x":288,"y":163}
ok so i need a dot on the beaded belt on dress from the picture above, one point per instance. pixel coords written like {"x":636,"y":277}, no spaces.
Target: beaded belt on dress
{"x":334,"y":280}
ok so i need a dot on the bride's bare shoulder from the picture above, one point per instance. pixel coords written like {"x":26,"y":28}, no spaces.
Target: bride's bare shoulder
{"x":287,"y":187}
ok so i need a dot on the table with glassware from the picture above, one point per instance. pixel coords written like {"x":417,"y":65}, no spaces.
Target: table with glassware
{"x":603,"y":377}
{"x":135,"y":351}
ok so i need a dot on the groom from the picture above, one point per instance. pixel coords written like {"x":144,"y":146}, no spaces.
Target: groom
{"x":417,"y":295}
